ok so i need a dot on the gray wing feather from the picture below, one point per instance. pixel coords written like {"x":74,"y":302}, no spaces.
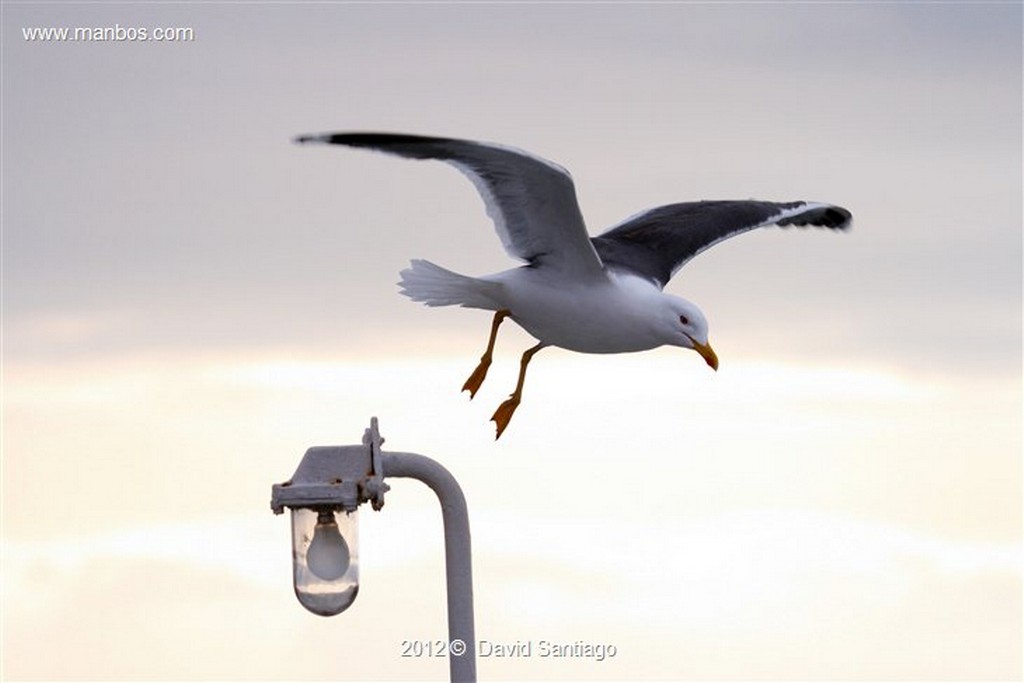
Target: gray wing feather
{"x":656,"y":243}
{"x":531,"y":201}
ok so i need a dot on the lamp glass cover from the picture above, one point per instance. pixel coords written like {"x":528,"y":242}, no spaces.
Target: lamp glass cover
{"x":325,"y":559}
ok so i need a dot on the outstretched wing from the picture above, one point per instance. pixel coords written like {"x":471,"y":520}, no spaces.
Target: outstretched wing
{"x":656,"y":243}
{"x":531,"y":201}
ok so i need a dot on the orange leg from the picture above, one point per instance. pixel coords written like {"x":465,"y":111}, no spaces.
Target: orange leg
{"x":477,"y":378}
{"x":503,"y":414}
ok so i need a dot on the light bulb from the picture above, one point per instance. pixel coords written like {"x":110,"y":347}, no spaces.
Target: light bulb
{"x":328,"y":556}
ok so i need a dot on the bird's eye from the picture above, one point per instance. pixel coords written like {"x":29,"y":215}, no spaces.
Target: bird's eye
{"x":683,"y":319}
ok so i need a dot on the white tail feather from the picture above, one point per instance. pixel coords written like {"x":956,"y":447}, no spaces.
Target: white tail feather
{"x":433,"y":285}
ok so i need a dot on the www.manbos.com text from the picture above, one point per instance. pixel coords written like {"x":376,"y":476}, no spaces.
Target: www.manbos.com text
{"x":109,"y":34}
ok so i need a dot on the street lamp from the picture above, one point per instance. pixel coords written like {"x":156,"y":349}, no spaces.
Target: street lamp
{"x":324,"y":496}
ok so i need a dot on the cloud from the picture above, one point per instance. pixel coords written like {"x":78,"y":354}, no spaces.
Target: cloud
{"x":763,"y":580}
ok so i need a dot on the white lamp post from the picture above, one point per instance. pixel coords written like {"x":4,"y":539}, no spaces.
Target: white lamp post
{"x":324,"y":495}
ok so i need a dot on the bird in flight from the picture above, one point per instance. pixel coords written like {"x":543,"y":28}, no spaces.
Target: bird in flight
{"x":588,"y":294}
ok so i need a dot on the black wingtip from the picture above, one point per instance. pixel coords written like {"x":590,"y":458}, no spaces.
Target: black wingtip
{"x":401,"y":144}
{"x":837,"y":218}
{"x":371,"y":139}
{"x":829,"y":216}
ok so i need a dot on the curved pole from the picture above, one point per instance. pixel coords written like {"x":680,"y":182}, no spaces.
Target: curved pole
{"x":458,"y":554}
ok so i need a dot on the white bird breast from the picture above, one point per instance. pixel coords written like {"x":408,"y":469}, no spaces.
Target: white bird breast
{"x":618,"y":315}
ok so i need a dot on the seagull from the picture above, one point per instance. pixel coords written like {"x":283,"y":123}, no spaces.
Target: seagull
{"x":600,"y":294}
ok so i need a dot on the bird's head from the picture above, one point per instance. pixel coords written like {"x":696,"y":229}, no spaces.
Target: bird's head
{"x":685,"y":325}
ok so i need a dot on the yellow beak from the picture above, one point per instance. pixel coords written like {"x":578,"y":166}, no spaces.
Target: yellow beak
{"x":706,"y":352}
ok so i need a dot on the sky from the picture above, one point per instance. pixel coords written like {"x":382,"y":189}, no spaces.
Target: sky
{"x":190,"y":300}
